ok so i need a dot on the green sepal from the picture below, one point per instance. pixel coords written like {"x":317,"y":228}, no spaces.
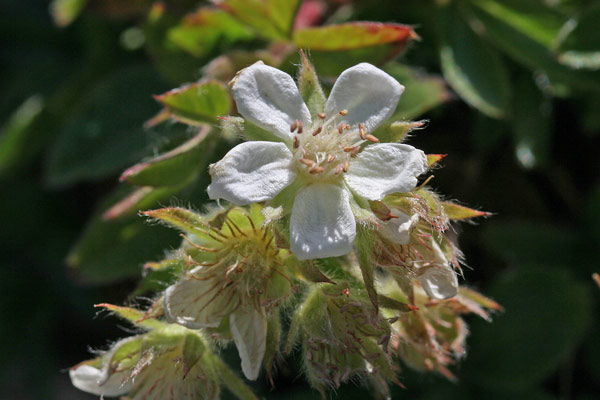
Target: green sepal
{"x":193,"y":349}
{"x":310,"y":89}
{"x":367,"y":264}
{"x":393,"y":304}
{"x":183,"y":219}
{"x":396,"y":131}
{"x":457,"y":212}
{"x":230,"y":380}
{"x":273,"y":342}
{"x":136,"y":317}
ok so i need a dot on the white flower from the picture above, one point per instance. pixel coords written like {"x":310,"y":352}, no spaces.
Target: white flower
{"x":436,"y":274}
{"x":398,"y":229}
{"x":327,"y":154}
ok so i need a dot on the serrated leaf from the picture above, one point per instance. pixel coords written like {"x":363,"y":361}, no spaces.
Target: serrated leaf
{"x":198,"y":103}
{"x":200,"y":32}
{"x":310,"y":88}
{"x":177,"y":166}
{"x":136,"y":317}
{"x":471,"y":67}
{"x":422,"y":92}
{"x":457,"y":212}
{"x":271,"y":19}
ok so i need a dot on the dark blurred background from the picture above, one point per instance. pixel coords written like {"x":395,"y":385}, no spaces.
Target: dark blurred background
{"x":512,"y":92}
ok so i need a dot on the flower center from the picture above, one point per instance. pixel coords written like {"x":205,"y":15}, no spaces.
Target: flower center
{"x":324,"y":150}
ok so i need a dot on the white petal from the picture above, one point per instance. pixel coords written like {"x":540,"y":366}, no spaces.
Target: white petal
{"x":194,"y":304}
{"x":269,"y":98}
{"x":385,"y":168}
{"x":249,"y":330}
{"x":397,"y":230}
{"x":94,"y":381}
{"x":322,"y":223}
{"x":369,"y":94}
{"x":252,"y":172}
{"x":439,"y":282}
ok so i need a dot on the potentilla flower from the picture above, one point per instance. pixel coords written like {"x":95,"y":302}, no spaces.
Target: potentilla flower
{"x":332,"y":155}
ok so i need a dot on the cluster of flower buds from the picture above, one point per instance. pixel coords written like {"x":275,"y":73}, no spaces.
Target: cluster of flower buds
{"x":329,"y":225}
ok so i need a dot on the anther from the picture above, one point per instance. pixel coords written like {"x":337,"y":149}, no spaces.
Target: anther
{"x":371,"y":138}
{"x":322,"y":115}
{"x":300,"y":126}
{"x":343,"y":113}
{"x":307,"y":162}
{"x":296,"y":142}
{"x":350,"y":149}
{"x":345,"y":167}
{"x":317,"y":131}
{"x":338,"y":169}
{"x":361,"y":131}
{"x":316,"y":169}
{"x":341,"y":128}
{"x":294,"y":126}
{"x":330,"y":158}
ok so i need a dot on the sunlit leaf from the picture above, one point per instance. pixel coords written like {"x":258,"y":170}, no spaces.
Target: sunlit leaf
{"x":197,"y":103}
{"x":136,"y":317}
{"x":457,"y":212}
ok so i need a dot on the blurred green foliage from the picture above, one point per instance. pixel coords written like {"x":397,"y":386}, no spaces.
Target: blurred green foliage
{"x":511,"y":88}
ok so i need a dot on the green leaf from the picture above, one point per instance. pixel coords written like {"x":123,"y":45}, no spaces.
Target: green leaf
{"x":178,"y":166}
{"x":203,"y":30}
{"x":331,"y":58}
{"x":579,"y":43}
{"x":271,"y":19}
{"x":15,"y":134}
{"x":114,"y":249}
{"x":531,"y":123}
{"x":65,"y":11}
{"x":105,"y":133}
{"x":198,"y":103}
{"x":519,"y":41}
{"x":422,"y":92}
{"x":471,"y":67}
{"x":547,"y":312}
{"x":353,"y":35}
{"x":310,"y":88}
